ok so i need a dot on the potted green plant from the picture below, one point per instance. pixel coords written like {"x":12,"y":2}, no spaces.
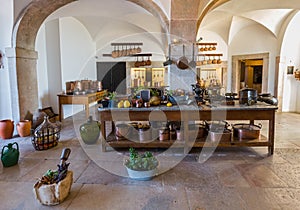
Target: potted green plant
{"x":112,"y":99}
{"x":141,"y":166}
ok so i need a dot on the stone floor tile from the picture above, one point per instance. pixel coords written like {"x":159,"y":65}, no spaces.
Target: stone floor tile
{"x":215,"y":198}
{"x":190,"y":175}
{"x":129,"y":197}
{"x":37,"y":171}
{"x":289,"y":173}
{"x":283,"y":196}
{"x":16,"y":172}
{"x":229,"y":175}
{"x":19,"y":195}
{"x":257,"y":198}
{"x":259,"y":175}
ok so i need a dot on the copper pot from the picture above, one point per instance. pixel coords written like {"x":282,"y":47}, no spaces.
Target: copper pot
{"x":246,"y":131}
{"x":182,"y":62}
{"x":223,"y":135}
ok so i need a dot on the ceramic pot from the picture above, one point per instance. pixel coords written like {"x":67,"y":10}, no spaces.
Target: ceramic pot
{"x":10,"y":155}
{"x":90,"y":131}
{"x":6,"y":129}
{"x":141,"y":175}
{"x":24,"y":127}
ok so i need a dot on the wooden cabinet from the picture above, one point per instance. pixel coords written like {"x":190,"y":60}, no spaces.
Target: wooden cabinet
{"x":147,"y":77}
{"x":185,"y":114}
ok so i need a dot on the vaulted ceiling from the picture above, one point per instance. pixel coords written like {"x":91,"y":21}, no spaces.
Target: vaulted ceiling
{"x":232,"y":16}
{"x":225,"y":20}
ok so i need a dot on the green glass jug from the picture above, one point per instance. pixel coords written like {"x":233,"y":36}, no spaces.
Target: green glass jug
{"x":90,"y":131}
{"x":10,"y":155}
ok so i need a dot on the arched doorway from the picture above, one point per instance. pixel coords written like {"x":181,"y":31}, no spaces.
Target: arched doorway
{"x":22,"y":57}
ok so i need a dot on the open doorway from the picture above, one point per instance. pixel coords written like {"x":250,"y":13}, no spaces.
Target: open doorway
{"x":251,"y":74}
{"x":257,"y":66}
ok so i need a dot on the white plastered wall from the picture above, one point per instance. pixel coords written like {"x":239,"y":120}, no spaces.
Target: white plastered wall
{"x":290,"y":54}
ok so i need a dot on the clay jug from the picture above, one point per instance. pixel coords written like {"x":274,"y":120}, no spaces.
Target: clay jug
{"x":90,"y":131}
{"x":10,"y":155}
{"x":6,"y":129}
{"x":23,"y":128}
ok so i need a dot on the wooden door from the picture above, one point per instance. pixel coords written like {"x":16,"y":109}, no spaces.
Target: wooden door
{"x":113,"y":76}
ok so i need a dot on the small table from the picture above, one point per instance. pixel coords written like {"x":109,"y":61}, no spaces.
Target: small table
{"x":85,"y":99}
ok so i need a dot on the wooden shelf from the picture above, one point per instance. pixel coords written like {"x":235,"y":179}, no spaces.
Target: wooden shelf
{"x":112,"y":141}
{"x":134,"y":55}
{"x":127,"y":44}
{"x":206,"y":43}
{"x":210,"y":54}
{"x":261,"y":141}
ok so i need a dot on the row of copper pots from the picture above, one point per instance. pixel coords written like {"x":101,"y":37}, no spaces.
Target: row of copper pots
{"x":127,"y":51}
{"x":207,"y":48}
{"x":209,"y":61}
{"x":143,"y":62}
{"x":220,"y":131}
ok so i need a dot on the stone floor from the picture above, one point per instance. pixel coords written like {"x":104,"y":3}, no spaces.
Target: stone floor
{"x":241,"y":178}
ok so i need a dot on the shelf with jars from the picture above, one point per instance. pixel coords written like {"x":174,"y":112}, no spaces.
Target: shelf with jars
{"x":147,"y":77}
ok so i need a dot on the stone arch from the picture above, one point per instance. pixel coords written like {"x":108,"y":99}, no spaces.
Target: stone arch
{"x":205,"y":8}
{"x":22,"y":57}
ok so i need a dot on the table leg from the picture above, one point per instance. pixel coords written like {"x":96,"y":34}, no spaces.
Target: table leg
{"x":60,"y":111}
{"x":271,"y":135}
{"x":186,"y":137}
{"x":87,"y":110}
{"x":103,"y":133}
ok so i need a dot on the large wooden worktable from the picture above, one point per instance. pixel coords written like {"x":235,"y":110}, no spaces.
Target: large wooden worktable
{"x":85,"y":99}
{"x":185,"y":114}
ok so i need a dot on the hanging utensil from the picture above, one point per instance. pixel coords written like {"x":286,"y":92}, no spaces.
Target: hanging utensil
{"x":169,"y":61}
{"x":114,"y":53}
{"x":182,"y":62}
{"x":143,"y":73}
{"x":118,"y":51}
{"x":143,"y":62}
{"x":209,"y":61}
{"x":214,"y":61}
{"x":137,"y":63}
{"x":192,"y":64}
{"x":148,"y":62}
{"x":219,"y":61}
{"x":204,"y":62}
{"x":139,"y":49}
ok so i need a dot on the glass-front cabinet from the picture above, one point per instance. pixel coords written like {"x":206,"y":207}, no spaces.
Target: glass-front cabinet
{"x":147,"y":77}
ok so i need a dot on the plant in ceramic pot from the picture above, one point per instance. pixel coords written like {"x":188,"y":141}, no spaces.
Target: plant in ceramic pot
{"x":55,"y":185}
{"x":141,"y":166}
{"x":112,"y":99}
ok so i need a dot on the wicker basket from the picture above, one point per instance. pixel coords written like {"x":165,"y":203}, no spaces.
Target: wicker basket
{"x":46,"y":135}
